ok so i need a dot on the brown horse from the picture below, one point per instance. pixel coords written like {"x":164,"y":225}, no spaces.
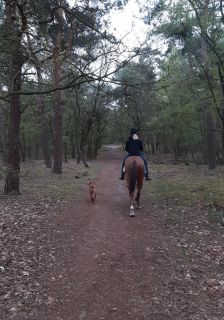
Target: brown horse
{"x":134,"y":174}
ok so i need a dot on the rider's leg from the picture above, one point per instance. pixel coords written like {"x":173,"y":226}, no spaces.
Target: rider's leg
{"x":146,"y":167}
{"x":122,"y":168}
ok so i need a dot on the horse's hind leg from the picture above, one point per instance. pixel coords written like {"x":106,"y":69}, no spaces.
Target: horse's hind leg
{"x":137,"y":199}
{"x":132,"y":209}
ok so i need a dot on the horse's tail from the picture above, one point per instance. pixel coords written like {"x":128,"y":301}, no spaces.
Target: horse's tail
{"x":133,"y":177}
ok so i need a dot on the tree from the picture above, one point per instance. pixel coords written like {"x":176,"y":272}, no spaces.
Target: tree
{"x":46,"y":35}
{"x":195,"y":29}
{"x":13,"y":29}
{"x":135,"y":95}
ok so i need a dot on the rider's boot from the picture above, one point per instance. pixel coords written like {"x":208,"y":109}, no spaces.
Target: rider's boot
{"x":147,"y":177}
{"x":122,"y":176}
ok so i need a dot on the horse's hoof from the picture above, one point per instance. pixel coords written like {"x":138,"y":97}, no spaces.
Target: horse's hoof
{"x":132,"y":211}
{"x":137,"y":206}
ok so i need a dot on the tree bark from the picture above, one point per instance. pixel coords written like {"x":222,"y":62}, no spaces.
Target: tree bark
{"x":210,"y":126}
{"x":13,"y":156}
{"x":57,"y":167}
{"x":152,"y":140}
{"x":72,"y":144}
{"x":78,"y":155}
{"x":211,"y":141}
{"x":15,"y":63}
{"x":83,"y":159}
{"x":221,"y":77}
{"x":3,"y":131}
{"x":22,"y":153}
{"x":36,"y":148}
{"x":65,"y":152}
{"x":45,"y":137}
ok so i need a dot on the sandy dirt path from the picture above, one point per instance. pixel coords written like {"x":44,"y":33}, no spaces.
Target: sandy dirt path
{"x":73,"y":260}
{"x":105,"y":261}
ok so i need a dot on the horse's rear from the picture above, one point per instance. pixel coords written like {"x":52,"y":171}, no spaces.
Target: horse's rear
{"x":134,"y":174}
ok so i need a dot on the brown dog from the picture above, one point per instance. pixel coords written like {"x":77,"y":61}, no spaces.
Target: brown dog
{"x":92,"y":191}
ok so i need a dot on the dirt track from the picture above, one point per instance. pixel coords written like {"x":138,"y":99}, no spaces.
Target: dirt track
{"x":103,"y":267}
{"x":94,"y":262}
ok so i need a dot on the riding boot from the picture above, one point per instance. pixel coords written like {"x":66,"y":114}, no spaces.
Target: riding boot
{"x":122,"y":176}
{"x":147,"y":177}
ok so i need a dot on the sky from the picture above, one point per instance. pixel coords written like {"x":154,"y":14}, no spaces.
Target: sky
{"x":127,"y":24}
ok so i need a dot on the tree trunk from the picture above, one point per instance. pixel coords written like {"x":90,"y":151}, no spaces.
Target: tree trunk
{"x":15,"y":66}
{"x":221,"y":77}
{"x":65,"y":152}
{"x":210,"y":127}
{"x":73,"y":151}
{"x":13,"y":156}
{"x":44,"y":122}
{"x":152,"y":140}
{"x":211,"y":141}
{"x":29,"y":149}
{"x":222,"y":159}
{"x":3,"y":131}
{"x":78,"y":155}
{"x":36,"y":149}
{"x":57,"y":168}
{"x":84,"y":160}
{"x":23,"y":147}
{"x":175,"y":153}
{"x":22,"y":153}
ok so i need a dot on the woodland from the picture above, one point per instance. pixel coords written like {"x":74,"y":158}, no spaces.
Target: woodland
{"x":68,"y":85}
{"x":70,"y":90}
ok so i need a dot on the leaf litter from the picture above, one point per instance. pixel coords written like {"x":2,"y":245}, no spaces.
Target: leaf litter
{"x":25,"y":224}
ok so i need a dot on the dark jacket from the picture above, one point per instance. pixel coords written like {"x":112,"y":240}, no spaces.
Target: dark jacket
{"x":134,"y":147}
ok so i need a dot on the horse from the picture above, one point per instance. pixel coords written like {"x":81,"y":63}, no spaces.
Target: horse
{"x":134,"y":174}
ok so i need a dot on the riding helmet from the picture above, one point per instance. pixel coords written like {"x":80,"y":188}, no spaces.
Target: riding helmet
{"x":133,"y":131}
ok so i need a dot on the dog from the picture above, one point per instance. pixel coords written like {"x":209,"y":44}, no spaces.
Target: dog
{"x":92,"y":191}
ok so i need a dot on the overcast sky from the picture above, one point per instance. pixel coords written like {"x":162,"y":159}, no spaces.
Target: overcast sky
{"x":127,"y":22}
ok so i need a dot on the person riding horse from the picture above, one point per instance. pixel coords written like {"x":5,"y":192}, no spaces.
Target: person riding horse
{"x":134,"y":147}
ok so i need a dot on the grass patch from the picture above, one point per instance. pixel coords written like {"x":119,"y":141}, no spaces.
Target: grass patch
{"x":186,"y":185}
{"x":37,"y":180}
{"x":216,"y":217}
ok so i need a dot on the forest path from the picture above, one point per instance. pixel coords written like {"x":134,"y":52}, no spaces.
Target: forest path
{"x":105,"y":262}
{"x":63,"y":259}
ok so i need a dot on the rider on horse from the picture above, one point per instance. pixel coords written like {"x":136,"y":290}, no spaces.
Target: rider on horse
{"x":134,"y":147}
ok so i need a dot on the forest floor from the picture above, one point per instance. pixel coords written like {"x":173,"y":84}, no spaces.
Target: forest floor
{"x":64,"y":258}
